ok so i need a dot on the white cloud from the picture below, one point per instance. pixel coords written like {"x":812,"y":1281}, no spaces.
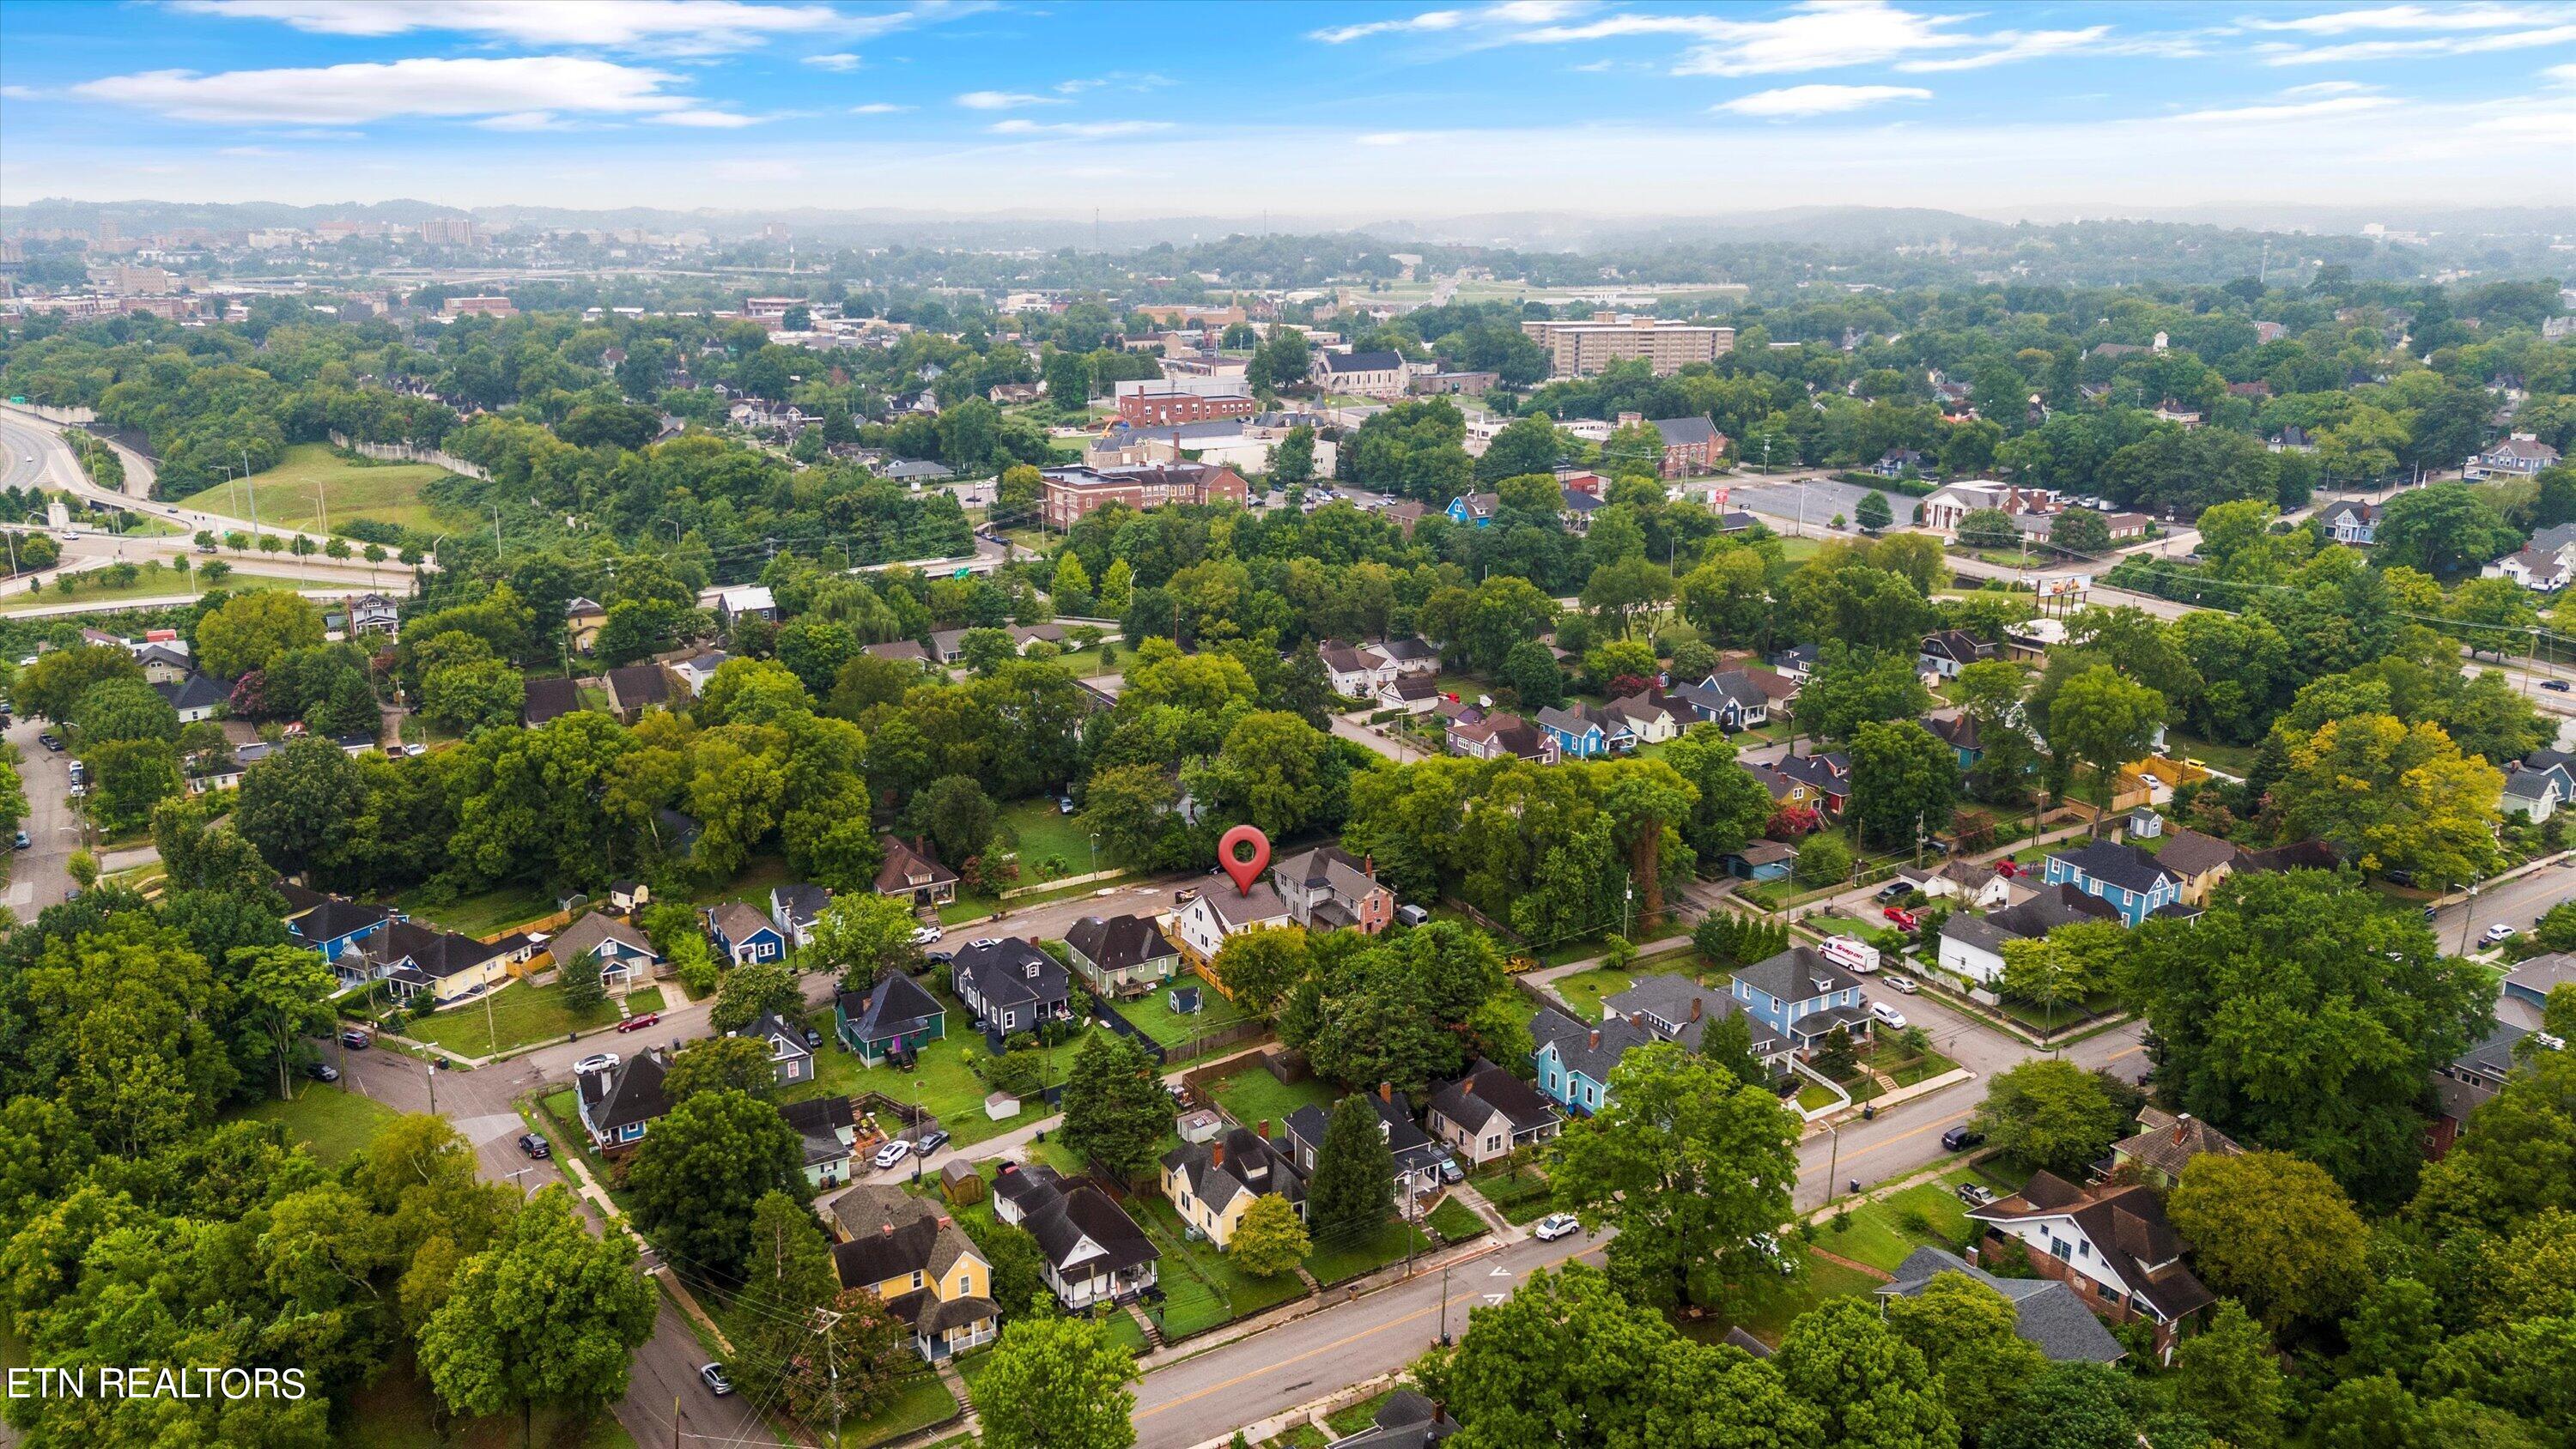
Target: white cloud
{"x":2413,"y":17}
{"x":2016,"y":45}
{"x":524,"y":121}
{"x":837,"y":60}
{"x":2294,"y":111}
{"x":18,"y":93}
{"x":1087,"y":129}
{"x":1392,"y":138}
{"x":704,"y":119}
{"x":246,"y":151}
{"x":375,"y":91}
{"x":1003,"y":100}
{"x":2356,"y":51}
{"x":1427,"y":20}
{"x":1125,"y":80}
{"x":878,"y":108}
{"x":2328,"y":88}
{"x":2564,"y":75}
{"x":1818,"y":100}
{"x":688,"y":26}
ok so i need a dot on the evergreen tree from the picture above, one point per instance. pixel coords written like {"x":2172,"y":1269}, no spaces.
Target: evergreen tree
{"x":1354,"y":1179}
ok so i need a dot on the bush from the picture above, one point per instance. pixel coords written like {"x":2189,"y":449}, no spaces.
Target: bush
{"x":1914,"y":1220}
{"x":1823,"y":860}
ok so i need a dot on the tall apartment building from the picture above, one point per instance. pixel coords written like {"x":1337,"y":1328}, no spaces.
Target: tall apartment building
{"x":1073,"y":492}
{"x":448,"y":231}
{"x":1581,"y":349}
{"x":480,"y":307}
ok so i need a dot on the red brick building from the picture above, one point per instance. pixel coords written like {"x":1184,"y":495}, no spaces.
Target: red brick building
{"x":1161,"y":409}
{"x":1074,"y":492}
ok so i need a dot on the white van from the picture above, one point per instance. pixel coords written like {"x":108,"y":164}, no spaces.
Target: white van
{"x":1851,"y":953}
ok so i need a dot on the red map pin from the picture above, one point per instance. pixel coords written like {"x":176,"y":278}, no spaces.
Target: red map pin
{"x":1244,"y":871}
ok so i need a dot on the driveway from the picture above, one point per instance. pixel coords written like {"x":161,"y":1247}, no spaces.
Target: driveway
{"x":39,"y":877}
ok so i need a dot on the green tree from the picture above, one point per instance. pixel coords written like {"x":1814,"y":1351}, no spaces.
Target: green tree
{"x":957,"y":815}
{"x":55,"y":684}
{"x":2444,"y":529}
{"x":2102,"y":720}
{"x":1853,"y":687}
{"x":1688,"y":1165}
{"x":2230,"y":1378}
{"x":300,"y":806}
{"x":1261,"y":966}
{"x":1354,"y":1178}
{"x":2273,"y":1231}
{"x":1969,"y":1335}
{"x":1904,"y":784}
{"x":123,"y":709}
{"x":2392,"y":796}
{"x":721,"y":1064}
{"x":1989,"y":528}
{"x":1873,"y":513}
{"x":864,"y":937}
{"x":579,"y":977}
{"x":463,"y":698}
{"x":752,"y":989}
{"x":2050,"y":1113}
{"x":1824,"y":859}
{"x":2081,"y":531}
{"x":548,"y":1315}
{"x":2075,"y":1405}
{"x":1056,"y":1383}
{"x":246,"y":631}
{"x":284,"y":996}
{"x":1732,"y":806}
{"x":1533,"y":673}
{"x":1870,"y":1385}
{"x":1115,"y":1108}
{"x":1269,"y":1239}
{"x":787,"y":1274}
{"x":704,"y":1165}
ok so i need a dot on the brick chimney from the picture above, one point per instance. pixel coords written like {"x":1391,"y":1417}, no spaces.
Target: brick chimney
{"x":1697,"y":1005}
{"x":1386,"y":1091}
{"x":1216,"y":1153}
{"x":2182,"y":1128}
{"x":1368,"y":865}
{"x":1263,"y":1129}
{"x":1467,"y":1085}
{"x":945,"y":1221}
{"x":886,"y":1228}
{"x":1596,"y":1038}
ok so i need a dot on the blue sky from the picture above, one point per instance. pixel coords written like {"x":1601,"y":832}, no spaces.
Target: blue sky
{"x":1319,"y":111}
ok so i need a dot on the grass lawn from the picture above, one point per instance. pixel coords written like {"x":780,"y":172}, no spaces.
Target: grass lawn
{"x":920,"y":1401}
{"x":1879,"y":1235}
{"x":1770,"y":1320}
{"x":2234,"y":760}
{"x":151,"y":583}
{"x":397,"y":1411}
{"x":331,"y":1121}
{"x":1920,"y":1069}
{"x":1039,"y":834}
{"x":751,"y":885}
{"x":1352,"y":1418}
{"x":1202,"y":1285}
{"x":1520,"y":1194}
{"x":486,"y":914}
{"x":949,"y":1088}
{"x":1296,"y":1436}
{"x":1814,"y":1097}
{"x":1341,"y":1261}
{"x":1583,"y":991}
{"x":517,"y":1015}
{"x":294,"y":494}
{"x":1252,"y":1095}
{"x":1153,"y":1013}
{"x":1456,"y":1222}
{"x":975,"y":908}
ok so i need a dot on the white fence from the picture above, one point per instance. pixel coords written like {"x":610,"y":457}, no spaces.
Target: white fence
{"x":409,"y":453}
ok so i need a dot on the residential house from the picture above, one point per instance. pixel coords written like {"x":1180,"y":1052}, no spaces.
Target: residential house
{"x":1729,"y":698}
{"x":1583,"y":732}
{"x":1961,"y":732}
{"x":794,"y":909}
{"x":1412,"y":696}
{"x":216,"y":770}
{"x":2531,"y":981}
{"x":2047,"y":1314}
{"x":1489,"y":1113}
{"x":2471,"y":1079}
{"x":637,"y":688}
{"x":1797,"y":661}
{"x":1121,"y":955}
{"x":1417,"y":1157}
{"x":2533,"y":569}
{"x":1971,"y":885}
{"x":2518,"y":456}
{"x":694,"y":671}
{"x":2135,"y":883}
{"x":1010,"y":984}
{"x":1406,"y":1420}
{"x":1827,"y":778}
{"x":744,"y":601}
{"x":900,"y":649}
{"x":1803,"y":996}
{"x":910,"y":870}
{"x":1691,"y":445}
{"x":336,"y":927}
{"x":789,"y":1058}
{"x":626,"y":955}
{"x":619,"y":1102}
{"x":195,"y":696}
{"x":1576,"y":507}
{"x":1094,"y":1251}
{"x":1972,"y":947}
{"x":583,"y":619}
{"x":1895,"y":462}
{"x":1219,"y":912}
{"x":913,"y":1256}
{"x":2199,"y":862}
{"x":542,"y":700}
{"x":893,"y":1018}
{"x":1213,"y":1184}
{"x":1325,"y":890}
{"x":740,"y":933}
{"x":415,"y":960}
{"x":1677,"y":1008}
{"x":2351,"y":521}
{"x":629,"y":896}
{"x":163,"y":663}
{"x":1575,"y":1059}
{"x":678,"y":830}
{"x":1356,"y":671}
{"x":2111,"y":1244}
{"x":2165,"y":1143}
{"x":1501,"y":736}
{"x":828,"y":1129}
{"x":1761,"y":860}
{"x":1648,"y":717}
{"x":2538,"y":783}
{"x":1475,"y":510}
{"x":1950,"y":651}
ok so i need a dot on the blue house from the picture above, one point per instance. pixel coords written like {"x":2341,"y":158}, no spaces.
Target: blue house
{"x":893,"y":1016}
{"x":1729,"y":699}
{"x":742,"y":933}
{"x":1575,"y":1059}
{"x":2126,"y":878}
{"x":333,"y":926}
{"x":1802,"y":996}
{"x":1962,"y":734}
{"x":1584,"y":733}
{"x":1475,"y":509}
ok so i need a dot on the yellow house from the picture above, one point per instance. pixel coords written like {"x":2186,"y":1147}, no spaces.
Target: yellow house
{"x":416,"y":960}
{"x":1212,"y":1184}
{"x":582,"y":621}
{"x":916,"y":1258}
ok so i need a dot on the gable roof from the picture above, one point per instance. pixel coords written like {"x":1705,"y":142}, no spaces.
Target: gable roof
{"x":1064,"y":1219}
{"x":801,"y":902}
{"x":333,"y":917}
{"x":998,"y":969}
{"x":194,"y":691}
{"x":1329,"y":868}
{"x":2127,"y":1228}
{"x":1333,"y":362}
{"x":2188,"y":853}
{"x":436,"y":953}
{"x":1685,"y":432}
{"x":2166,"y":1142}
{"x":1116,"y":943}
{"x":545,"y":699}
{"x":1249,"y":1164}
{"x":907,"y":868}
{"x":1591,"y":1050}
{"x":1800,"y":973}
{"x":2046,"y":1313}
{"x":889,"y":1008}
{"x":2050,"y":908}
{"x":2115,"y":863}
{"x":638,"y":685}
{"x":627,"y":1093}
{"x":1956,"y":645}
{"x":890,"y":1233}
{"x":1486,"y":1092}
{"x":1252,"y":907}
{"x":598,"y":929}
{"x":739,"y":921}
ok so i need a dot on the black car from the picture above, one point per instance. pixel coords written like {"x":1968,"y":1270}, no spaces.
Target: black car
{"x":931,"y":1141}
{"x":534,"y":1145}
{"x":1960,"y":1139}
{"x":2560,"y":685}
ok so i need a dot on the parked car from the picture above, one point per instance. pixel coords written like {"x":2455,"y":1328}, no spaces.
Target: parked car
{"x":1769,"y":1247}
{"x":2497,"y":934}
{"x":51,"y":741}
{"x":2008,"y":869}
{"x":893,"y":1152}
{"x":1063,"y":804}
{"x":1185,"y":895}
{"x":931,"y":1141}
{"x":415,"y":751}
{"x":1887,"y":1015}
{"x":924,"y":935}
{"x":1901,"y":918}
{"x":595,"y":1062}
{"x":534,"y":1145}
{"x":1903,"y":985}
{"x":638,"y":1023}
{"x":1451,"y":1172}
{"x":717,"y":1383}
{"x":322,"y":1072}
{"x":2559,"y":685}
{"x":1961,"y":1138}
{"x":23,"y":842}
{"x":1975,"y":1194}
{"x":1893,"y":891}
{"x":356,"y":1039}
{"x":1554,"y":1226}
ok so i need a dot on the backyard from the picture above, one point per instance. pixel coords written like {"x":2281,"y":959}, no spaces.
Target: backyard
{"x":1584,"y":991}
{"x":316,"y":481}
{"x":333,"y":1121}
{"x":944,"y":1070}
{"x":1252,"y":1096}
{"x":517,"y":1015}
{"x":1152,"y":1012}
{"x":483,"y":914}
{"x":1040,"y":833}
{"x":1770,"y":1317}
{"x":1201,"y":1285}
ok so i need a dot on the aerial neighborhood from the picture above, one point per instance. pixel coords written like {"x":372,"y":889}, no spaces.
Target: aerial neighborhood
{"x":770,"y":823}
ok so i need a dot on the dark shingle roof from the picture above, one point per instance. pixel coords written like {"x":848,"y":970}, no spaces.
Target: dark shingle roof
{"x":626,"y":1094}
{"x":890,"y":1008}
{"x":1067,"y":1218}
{"x":1117,"y":943}
{"x":1474,"y":1099}
{"x":2046,"y":1313}
{"x":1797,"y":974}
{"x":1009,"y":972}
{"x":545,"y":699}
{"x":2114,"y":863}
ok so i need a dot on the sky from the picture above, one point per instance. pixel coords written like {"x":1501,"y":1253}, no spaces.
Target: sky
{"x":1332,"y":112}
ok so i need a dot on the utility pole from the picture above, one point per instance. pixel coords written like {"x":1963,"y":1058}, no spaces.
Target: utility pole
{"x":496,"y":533}
{"x":1833,"y":1162}
{"x":433,"y":1089}
{"x":254,"y":497}
{"x":1444,"y":1305}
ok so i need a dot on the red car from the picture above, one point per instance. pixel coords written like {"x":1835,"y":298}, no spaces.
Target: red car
{"x":2007,"y":869}
{"x":638,"y":1023}
{"x":1904,"y":919}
